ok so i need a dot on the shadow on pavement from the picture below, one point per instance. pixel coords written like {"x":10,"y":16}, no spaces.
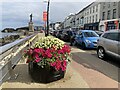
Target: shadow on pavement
{"x":23,"y":76}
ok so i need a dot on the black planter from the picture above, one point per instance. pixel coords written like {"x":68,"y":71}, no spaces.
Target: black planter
{"x":43,"y":75}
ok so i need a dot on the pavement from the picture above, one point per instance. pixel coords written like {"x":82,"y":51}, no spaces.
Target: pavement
{"x":21,"y":79}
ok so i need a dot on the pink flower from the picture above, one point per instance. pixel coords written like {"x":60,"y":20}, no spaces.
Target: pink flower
{"x":36,"y":55}
{"x":53,"y":64}
{"x":63,"y":68}
{"x":38,"y":50}
{"x":48,"y":53}
{"x":58,"y":65}
{"x":66,"y":49}
{"x":37,"y":60}
{"x":60,"y":51}
{"x":64,"y":63}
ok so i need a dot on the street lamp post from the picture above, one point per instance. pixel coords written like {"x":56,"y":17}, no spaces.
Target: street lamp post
{"x":47,"y":32}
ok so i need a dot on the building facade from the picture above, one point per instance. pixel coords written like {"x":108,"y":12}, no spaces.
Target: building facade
{"x":68,"y":22}
{"x":110,"y":16}
{"x":96,"y":16}
{"x":80,"y":20}
{"x":92,"y":16}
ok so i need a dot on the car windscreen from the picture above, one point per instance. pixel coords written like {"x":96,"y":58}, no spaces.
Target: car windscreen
{"x":90,"y":34}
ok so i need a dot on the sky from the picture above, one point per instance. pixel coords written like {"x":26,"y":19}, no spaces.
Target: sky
{"x":15,"y":13}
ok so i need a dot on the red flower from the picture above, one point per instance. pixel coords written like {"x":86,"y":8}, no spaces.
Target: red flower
{"x":53,"y":64}
{"x":48,"y":53}
{"x":64,"y":63}
{"x":38,"y":50}
{"x":36,"y":55}
{"x":66,"y":49}
{"x":37,"y":60}
{"x":60,"y":51}
{"x":58,"y":65}
{"x":63,"y":68}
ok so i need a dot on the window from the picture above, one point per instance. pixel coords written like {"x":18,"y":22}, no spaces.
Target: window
{"x":96,"y":18}
{"x":113,"y":36}
{"x":90,"y":34}
{"x":78,"y":20}
{"x":96,"y":8}
{"x":90,"y":19}
{"x":87,"y":19}
{"x":109,"y":5}
{"x":105,"y":35}
{"x":93,"y":9}
{"x":103,"y":16}
{"x":114,"y":3}
{"x":104,"y":5}
{"x":108,"y":16}
{"x":93,"y":18}
{"x":114,"y":13}
{"x":90,"y":10}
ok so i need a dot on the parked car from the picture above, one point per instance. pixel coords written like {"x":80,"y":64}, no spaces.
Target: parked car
{"x":72,"y":38}
{"x":66,"y":35}
{"x":99,"y":32}
{"x":109,"y":44}
{"x":54,"y":33}
{"x":59,"y":33}
{"x":51,"y":32}
{"x":86,"y":38}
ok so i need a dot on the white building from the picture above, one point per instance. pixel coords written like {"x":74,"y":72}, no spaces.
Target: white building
{"x":67,"y":21}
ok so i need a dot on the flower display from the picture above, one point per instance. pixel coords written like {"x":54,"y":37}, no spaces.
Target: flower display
{"x":49,"y":52}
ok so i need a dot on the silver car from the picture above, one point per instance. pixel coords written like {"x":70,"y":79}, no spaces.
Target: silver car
{"x":109,"y":43}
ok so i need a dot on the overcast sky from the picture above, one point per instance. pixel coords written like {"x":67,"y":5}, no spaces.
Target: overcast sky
{"x":15,"y":13}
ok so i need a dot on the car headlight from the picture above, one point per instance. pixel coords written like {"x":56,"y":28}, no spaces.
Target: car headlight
{"x":88,"y":41}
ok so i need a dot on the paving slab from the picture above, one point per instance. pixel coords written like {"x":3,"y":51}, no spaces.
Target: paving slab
{"x":21,"y":79}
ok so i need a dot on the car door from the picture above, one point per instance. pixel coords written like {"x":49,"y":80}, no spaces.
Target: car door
{"x":112,"y":43}
{"x":79,"y":38}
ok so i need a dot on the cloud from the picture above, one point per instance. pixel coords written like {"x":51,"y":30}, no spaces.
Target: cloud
{"x":16,"y":14}
{"x":59,"y":11}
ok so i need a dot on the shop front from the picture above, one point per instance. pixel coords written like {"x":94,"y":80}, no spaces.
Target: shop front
{"x":92,"y":26}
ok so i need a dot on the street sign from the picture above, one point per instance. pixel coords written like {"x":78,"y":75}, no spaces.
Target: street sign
{"x":44,"y":16}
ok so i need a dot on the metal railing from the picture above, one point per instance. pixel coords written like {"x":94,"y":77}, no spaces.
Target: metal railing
{"x":11,"y":54}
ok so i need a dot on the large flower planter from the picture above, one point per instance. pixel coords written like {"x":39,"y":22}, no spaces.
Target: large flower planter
{"x":44,"y":75}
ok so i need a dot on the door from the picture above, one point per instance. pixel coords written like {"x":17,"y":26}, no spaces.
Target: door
{"x":112,"y":43}
{"x":79,"y":37}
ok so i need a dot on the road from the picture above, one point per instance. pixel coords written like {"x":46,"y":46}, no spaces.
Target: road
{"x":96,"y":72}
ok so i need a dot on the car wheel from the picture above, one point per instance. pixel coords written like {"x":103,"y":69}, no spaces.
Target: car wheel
{"x":83,"y":46}
{"x":101,"y":53}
